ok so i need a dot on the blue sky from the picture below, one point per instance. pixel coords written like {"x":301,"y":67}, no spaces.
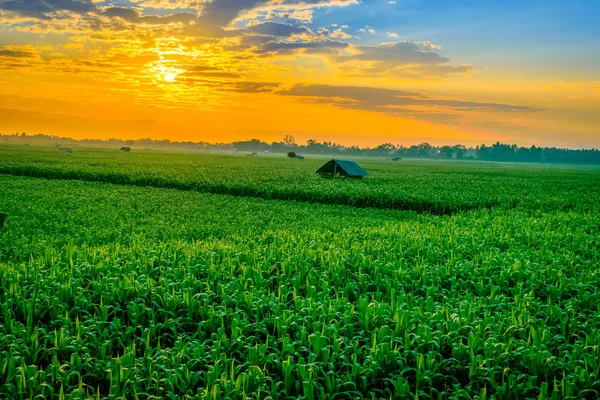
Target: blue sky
{"x":515,"y":35}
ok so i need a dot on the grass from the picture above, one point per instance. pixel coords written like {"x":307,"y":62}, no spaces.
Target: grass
{"x":121,"y":291}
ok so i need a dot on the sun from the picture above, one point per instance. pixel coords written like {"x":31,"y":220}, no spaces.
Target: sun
{"x":170,"y":76}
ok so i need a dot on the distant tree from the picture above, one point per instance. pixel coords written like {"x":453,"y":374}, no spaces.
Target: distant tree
{"x":460,"y":152}
{"x":314,"y":147}
{"x":482,"y":152}
{"x":384,"y":149}
{"x":278,"y":147}
{"x":289,"y":140}
{"x":496,"y":152}
{"x":447,"y":152}
{"x":423,"y":150}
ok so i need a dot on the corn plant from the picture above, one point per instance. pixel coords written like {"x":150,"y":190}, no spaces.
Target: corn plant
{"x":111,"y":291}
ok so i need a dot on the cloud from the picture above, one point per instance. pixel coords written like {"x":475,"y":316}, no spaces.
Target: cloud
{"x":215,"y":74}
{"x":403,"y":58}
{"x":128,"y":14}
{"x":299,"y":10}
{"x":44,"y":8}
{"x":404,"y":52}
{"x":339,"y":34}
{"x":303,"y":16}
{"x":277,"y":29}
{"x":200,"y":18}
{"x":132,"y":15}
{"x":173,"y":4}
{"x":253,"y":87}
{"x":222,"y":12}
{"x":12,"y":57}
{"x":295,"y":48}
{"x":17,"y":52}
{"x":396,"y":102}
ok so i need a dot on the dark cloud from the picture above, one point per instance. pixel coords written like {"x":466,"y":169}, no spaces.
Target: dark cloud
{"x":128,"y":14}
{"x":222,"y":12}
{"x":253,"y":87}
{"x":42,"y":8}
{"x":277,"y":29}
{"x":251,"y":41}
{"x":16,"y":53}
{"x":215,"y":15}
{"x":394,"y":102}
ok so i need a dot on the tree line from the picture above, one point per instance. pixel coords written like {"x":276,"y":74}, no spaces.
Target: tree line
{"x":496,"y":152}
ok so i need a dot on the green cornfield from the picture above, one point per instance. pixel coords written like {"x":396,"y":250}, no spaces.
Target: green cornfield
{"x":155,"y":275}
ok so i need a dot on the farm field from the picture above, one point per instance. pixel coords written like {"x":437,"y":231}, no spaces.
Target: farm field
{"x":162,"y":275}
{"x":423,"y":186}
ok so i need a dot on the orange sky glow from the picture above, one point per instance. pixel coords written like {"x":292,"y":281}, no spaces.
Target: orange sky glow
{"x":229,"y":70}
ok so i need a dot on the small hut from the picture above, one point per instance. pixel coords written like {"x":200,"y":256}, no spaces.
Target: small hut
{"x":348,"y":169}
{"x":126,"y":149}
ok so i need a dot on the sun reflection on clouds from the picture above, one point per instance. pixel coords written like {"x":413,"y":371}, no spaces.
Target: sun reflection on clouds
{"x":170,"y":77}
{"x":158,"y":72}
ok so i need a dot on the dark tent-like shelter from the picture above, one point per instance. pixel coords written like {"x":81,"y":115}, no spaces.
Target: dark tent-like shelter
{"x":345,"y":168}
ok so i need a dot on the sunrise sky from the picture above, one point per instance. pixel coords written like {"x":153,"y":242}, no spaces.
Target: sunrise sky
{"x":351,"y":71}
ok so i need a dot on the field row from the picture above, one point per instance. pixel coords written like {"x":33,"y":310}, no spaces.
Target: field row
{"x":168,"y":294}
{"x":440,"y":188}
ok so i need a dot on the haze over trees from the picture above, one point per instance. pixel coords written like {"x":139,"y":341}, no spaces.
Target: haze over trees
{"x":496,"y":152}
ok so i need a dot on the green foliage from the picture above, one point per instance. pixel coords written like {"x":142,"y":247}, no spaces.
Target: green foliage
{"x":3,"y":219}
{"x":439,"y":188}
{"x":121,"y":291}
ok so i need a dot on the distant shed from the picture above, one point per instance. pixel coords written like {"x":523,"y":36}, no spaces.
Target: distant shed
{"x":345,"y":168}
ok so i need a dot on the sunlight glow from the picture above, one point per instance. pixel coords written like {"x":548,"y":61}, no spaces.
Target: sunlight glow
{"x":170,"y":77}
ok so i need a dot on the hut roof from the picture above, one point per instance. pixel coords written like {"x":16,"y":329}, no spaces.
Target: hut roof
{"x":350,"y":168}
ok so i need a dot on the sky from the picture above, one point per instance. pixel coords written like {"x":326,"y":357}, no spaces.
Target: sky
{"x":354,"y":72}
